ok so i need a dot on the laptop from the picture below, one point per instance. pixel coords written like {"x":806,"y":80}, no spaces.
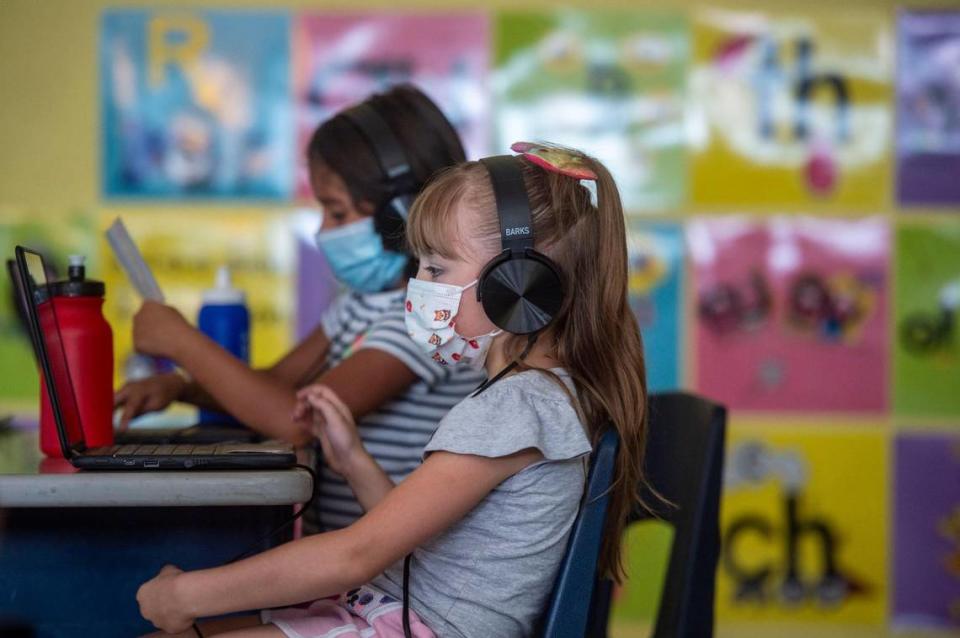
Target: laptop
{"x":197,"y":434}
{"x":45,"y":332}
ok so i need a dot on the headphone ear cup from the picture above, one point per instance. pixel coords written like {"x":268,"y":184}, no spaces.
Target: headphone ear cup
{"x":521,"y":295}
{"x":389,"y":223}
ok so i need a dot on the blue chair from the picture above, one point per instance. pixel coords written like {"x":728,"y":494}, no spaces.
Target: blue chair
{"x":683,"y":462}
{"x":569,"y":608}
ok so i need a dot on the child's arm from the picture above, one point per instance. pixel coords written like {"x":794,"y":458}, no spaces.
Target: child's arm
{"x":156,"y":326}
{"x":331,"y":422}
{"x":434,"y":497}
{"x":306,"y":357}
{"x":263,"y":401}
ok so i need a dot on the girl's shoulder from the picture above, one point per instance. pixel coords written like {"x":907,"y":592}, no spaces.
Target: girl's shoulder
{"x":526,"y":410}
{"x":554,"y":384}
{"x":533,"y":387}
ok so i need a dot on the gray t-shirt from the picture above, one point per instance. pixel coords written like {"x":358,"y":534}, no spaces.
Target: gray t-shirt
{"x":491,"y":573}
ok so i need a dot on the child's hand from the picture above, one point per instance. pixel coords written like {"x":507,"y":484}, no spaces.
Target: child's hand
{"x":158,"y":329}
{"x":159,"y":603}
{"x":147,"y":395}
{"x":330,"y":420}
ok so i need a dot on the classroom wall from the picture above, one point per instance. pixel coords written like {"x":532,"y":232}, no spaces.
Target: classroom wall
{"x":793,"y":264}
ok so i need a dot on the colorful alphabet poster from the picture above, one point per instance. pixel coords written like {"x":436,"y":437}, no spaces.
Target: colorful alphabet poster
{"x":804,"y":524}
{"x":926,"y":348}
{"x":928,"y":103}
{"x":791,"y":110}
{"x":791,"y":313}
{"x":610,"y":83}
{"x":196,"y":104}
{"x":341,"y":58}
{"x":54,"y":237}
{"x":655,"y":253}
{"x":185,"y":249}
{"x":926,"y":531}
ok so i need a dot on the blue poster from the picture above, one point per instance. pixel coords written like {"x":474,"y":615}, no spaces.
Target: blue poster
{"x":655,"y":253}
{"x":196,"y":104}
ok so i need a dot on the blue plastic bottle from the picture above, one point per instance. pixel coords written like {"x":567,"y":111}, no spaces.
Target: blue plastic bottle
{"x":225,"y":319}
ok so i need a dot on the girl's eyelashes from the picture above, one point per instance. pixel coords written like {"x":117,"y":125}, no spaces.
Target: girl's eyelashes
{"x":334,"y":220}
{"x":433,"y":271}
{"x":330,"y":208}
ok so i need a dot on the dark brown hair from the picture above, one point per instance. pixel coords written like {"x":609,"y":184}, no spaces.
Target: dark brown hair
{"x":595,"y":335}
{"x":427,"y":137}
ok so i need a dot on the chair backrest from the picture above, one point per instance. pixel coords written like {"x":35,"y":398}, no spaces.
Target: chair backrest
{"x":684,"y":464}
{"x":569,"y":607}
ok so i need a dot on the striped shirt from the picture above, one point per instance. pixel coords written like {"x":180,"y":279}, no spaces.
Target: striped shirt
{"x":396,"y":433}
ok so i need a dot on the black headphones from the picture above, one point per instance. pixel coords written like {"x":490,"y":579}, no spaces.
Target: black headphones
{"x":391,"y":215}
{"x":521,"y":289}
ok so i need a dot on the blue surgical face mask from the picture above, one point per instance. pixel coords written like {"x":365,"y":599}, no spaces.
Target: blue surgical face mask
{"x":358,"y":259}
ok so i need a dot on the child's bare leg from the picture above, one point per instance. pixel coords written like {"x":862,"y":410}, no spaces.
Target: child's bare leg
{"x":219,"y":627}
{"x":263,"y":631}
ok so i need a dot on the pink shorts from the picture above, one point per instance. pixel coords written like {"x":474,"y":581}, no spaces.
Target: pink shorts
{"x":360,"y":613}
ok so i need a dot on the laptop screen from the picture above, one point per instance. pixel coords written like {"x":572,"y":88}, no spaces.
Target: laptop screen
{"x":20,"y":300}
{"x":53,"y":359}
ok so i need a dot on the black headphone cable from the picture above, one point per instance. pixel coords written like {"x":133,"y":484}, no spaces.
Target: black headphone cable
{"x":276,"y":530}
{"x":532,"y":339}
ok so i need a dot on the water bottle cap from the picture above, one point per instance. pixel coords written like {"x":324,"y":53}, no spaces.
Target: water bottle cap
{"x":223,"y":277}
{"x":223,"y":292}
{"x":76,"y":284}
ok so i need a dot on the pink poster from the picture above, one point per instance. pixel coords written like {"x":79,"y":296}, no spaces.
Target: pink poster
{"x":340,"y":59}
{"x":792,"y":313}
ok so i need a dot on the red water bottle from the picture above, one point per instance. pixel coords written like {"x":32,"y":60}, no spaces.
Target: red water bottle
{"x":88,"y":344}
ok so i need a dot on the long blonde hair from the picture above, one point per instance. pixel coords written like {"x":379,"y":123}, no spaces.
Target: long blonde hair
{"x":594,"y":335}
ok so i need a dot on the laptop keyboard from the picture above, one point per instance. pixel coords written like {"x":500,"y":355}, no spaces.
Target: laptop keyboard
{"x":154,"y":450}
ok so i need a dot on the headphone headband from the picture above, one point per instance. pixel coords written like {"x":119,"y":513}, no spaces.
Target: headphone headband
{"x":521,"y":290}
{"x":513,"y":203}
{"x":387,"y":148}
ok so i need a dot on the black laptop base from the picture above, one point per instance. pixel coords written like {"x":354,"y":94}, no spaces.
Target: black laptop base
{"x":195,"y":434}
{"x":223,"y":456}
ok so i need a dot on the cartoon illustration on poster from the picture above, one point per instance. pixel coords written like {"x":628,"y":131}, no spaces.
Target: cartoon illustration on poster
{"x":804,"y":524}
{"x":797,"y":103}
{"x":342,"y":58}
{"x":608,"y":82}
{"x":928,"y":103}
{"x":655,"y":254}
{"x":926,"y":349}
{"x":782,"y":301}
{"x":184,"y":250}
{"x":926,"y":555}
{"x":55,"y":237}
{"x":196,"y":104}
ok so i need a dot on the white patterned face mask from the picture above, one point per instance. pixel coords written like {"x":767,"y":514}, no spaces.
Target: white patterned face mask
{"x":430,"y":317}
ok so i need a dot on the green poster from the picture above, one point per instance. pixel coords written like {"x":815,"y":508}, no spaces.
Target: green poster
{"x":927,"y":349}
{"x":647,"y":546}
{"x":55,"y":238}
{"x":607,"y":82}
